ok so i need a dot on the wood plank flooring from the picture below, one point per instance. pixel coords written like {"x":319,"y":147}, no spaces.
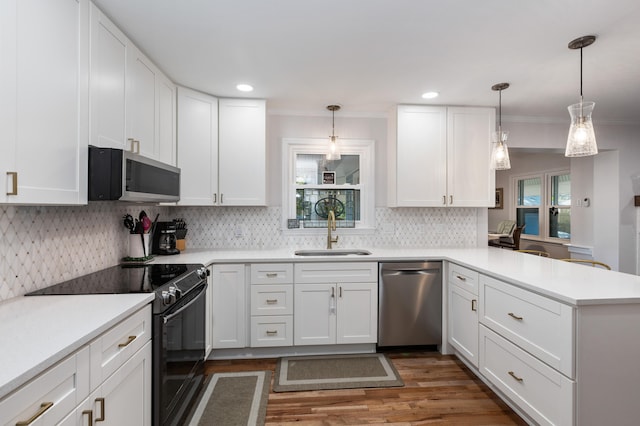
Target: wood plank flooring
{"x":438,"y":389}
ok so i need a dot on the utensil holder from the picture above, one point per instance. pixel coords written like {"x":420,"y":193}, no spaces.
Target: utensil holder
{"x":138,"y":245}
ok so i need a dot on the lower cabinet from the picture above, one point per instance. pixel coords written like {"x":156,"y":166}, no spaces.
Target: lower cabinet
{"x":335,"y":303}
{"x":463,"y":311}
{"x":228,"y":306}
{"x":123,"y":399}
{"x":271,"y":305}
{"x":111,"y":377}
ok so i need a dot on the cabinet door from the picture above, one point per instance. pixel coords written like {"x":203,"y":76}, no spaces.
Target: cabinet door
{"x":108,"y":83}
{"x":242,"y":152}
{"x":197,"y":148}
{"x":166,"y":94}
{"x":357,"y":306}
{"x":421,"y":156}
{"x":45,"y":63}
{"x":471,"y":181}
{"x":314,"y":321}
{"x":463,"y":323}
{"x":229,"y":306}
{"x":141,"y":102}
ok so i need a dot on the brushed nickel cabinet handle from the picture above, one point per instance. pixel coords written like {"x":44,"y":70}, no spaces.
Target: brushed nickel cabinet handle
{"x":43,"y":409}
{"x":333,"y":292}
{"x":221,"y":201}
{"x":514,"y":316}
{"x":102,"y":413}
{"x":444,"y":199}
{"x":135,"y":145}
{"x":14,"y":183}
{"x":272,"y":275}
{"x":340,"y":292}
{"x":474,"y":305}
{"x":512,"y":374}
{"x":461,"y":278}
{"x":271,"y":301}
{"x":272,"y":332}
{"x":90,"y":418}
{"x":128,"y":342}
{"x":215,"y":198}
{"x":450,"y":199}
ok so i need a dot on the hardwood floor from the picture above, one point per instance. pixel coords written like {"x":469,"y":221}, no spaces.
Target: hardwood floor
{"x":438,"y":389}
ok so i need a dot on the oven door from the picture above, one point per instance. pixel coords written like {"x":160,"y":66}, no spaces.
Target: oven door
{"x":178,"y":357}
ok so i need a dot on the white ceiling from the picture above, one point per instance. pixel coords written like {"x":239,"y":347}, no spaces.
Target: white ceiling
{"x":368,"y":55}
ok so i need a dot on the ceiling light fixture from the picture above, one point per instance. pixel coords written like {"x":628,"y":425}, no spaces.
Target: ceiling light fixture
{"x":581,"y":141}
{"x":500,"y":151}
{"x":333,"y":152}
{"x":430,"y":95}
{"x":244,"y":87}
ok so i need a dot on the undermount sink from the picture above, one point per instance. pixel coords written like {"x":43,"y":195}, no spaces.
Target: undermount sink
{"x":333,"y":252}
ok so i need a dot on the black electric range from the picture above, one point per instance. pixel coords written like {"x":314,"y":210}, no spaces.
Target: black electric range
{"x":178,"y":327}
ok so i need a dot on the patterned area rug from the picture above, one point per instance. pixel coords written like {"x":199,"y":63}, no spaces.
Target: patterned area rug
{"x":335,"y":372}
{"x":234,"y":399}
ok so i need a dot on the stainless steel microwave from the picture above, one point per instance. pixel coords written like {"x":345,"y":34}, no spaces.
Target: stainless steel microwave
{"x":115,"y":174}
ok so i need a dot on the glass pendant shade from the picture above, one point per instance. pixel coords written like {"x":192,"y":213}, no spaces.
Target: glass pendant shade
{"x":581,"y":141}
{"x":500,"y":151}
{"x":333,"y":152}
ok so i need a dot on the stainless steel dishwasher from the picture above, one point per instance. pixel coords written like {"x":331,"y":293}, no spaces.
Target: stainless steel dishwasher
{"x":410,"y":304}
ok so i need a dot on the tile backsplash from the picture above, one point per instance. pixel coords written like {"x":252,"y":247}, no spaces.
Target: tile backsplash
{"x":45,"y":245}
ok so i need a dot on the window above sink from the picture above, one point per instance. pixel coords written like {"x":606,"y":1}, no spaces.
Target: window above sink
{"x":312,"y":184}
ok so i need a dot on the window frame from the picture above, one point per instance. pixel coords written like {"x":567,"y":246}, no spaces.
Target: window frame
{"x":364,"y":148}
{"x":545,"y":204}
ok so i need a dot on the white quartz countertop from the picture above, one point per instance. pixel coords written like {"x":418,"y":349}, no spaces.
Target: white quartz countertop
{"x":38,"y":331}
{"x":566,"y":282}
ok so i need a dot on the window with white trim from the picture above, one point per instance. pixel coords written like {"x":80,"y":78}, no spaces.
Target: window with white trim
{"x":543,"y":205}
{"x":350,"y":193}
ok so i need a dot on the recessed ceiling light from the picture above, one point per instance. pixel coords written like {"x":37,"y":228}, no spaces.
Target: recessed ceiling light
{"x":430,"y":95}
{"x":244,"y":87}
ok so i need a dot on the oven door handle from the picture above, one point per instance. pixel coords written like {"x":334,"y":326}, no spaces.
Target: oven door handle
{"x":195,"y":298}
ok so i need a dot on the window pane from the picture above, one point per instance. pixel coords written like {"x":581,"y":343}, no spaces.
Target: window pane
{"x":529,"y":218}
{"x":561,"y":190}
{"x":529,"y":191}
{"x":560,"y":223}
{"x":309,"y":168}
{"x":313,"y":204}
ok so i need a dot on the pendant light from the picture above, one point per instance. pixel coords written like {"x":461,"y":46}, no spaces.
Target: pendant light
{"x":581,"y":141}
{"x":333,"y":152}
{"x":500,"y":151}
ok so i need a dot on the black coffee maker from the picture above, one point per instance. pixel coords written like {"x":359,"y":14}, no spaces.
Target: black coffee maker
{"x":164,"y":239}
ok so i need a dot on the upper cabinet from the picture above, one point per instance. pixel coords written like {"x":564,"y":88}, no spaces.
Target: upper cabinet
{"x":43,"y":101}
{"x":221,"y":150}
{"x":442,"y":157}
{"x":132,"y":101}
{"x":242,"y":149}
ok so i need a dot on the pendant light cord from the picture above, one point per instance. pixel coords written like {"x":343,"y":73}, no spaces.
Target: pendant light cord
{"x":581,"y":74}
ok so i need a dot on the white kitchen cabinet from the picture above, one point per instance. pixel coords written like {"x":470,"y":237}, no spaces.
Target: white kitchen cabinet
{"x":197,"y":148}
{"x":442,"y":157}
{"x":131,"y":99}
{"x":44,"y":101}
{"x":242,"y":152}
{"x":335,"y":303}
{"x":271,"y":304}
{"x":123,"y":399}
{"x":463,"y":312}
{"x":221,"y":150}
{"x":229,"y":306}
{"x":108,"y":378}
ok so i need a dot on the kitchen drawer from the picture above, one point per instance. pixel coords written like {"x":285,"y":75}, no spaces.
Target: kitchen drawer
{"x":272,"y":299}
{"x":540,"y":391}
{"x":271,"y":331}
{"x":271,"y":273}
{"x":331,"y":272}
{"x":54,"y":393}
{"x":539,"y":325}
{"x":118,"y":344}
{"x":464,"y":278}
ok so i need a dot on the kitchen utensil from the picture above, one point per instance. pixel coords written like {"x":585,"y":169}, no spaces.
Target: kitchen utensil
{"x":129,"y":223}
{"x":146,"y":222}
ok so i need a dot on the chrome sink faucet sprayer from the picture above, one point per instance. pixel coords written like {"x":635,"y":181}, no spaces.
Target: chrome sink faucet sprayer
{"x":331,"y":226}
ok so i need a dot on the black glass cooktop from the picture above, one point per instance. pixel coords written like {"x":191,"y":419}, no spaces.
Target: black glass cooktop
{"x":122,"y":279}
